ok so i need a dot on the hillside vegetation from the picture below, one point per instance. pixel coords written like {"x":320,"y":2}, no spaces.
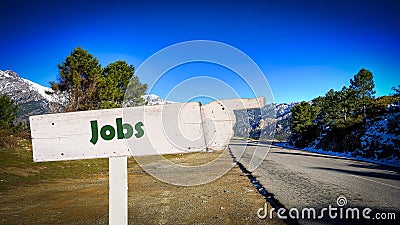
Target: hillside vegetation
{"x":350,"y":120}
{"x":16,"y":163}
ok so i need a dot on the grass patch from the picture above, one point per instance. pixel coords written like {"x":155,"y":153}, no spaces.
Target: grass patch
{"x":18,"y":169}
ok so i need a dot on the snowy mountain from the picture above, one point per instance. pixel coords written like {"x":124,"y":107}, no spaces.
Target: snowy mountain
{"x":270,"y":122}
{"x":153,"y":99}
{"x":10,"y":81}
{"x":283,"y":115}
{"x":30,"y":96}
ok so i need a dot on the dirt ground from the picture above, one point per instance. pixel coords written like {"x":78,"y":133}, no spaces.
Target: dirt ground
{"x":231,"y":199}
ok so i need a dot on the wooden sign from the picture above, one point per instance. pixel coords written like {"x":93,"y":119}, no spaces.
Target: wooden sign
{"x":151,"y":130}
{"x":104,"y":133}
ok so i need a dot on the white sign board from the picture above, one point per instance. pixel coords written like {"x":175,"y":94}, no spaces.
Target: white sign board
{"x":151,"y":130}
{"x":104,"y":133}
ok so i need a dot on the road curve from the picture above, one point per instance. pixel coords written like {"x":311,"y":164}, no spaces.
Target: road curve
{"x":300,"y":179}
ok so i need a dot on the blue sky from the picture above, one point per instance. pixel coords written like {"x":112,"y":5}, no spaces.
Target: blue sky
{"x":304,"y":48}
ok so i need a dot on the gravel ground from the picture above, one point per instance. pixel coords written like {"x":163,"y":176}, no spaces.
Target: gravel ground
{"x":230,"y":199}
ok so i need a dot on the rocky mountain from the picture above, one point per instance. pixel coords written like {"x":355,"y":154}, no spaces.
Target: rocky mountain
{"x":30,"y":96}
{"x":153,"y":99}
{"x":269,"y":123}
{"x":283,"y":115}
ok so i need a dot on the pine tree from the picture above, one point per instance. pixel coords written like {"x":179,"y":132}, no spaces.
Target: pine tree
{"x":303,"y":124}
{"x":363,"y":86}
{"x":380,"y":106}
{"x":329,"y":103}
{"x":8,"y":112}
{"x":78,"y":78}
{"x":346,"y":99}
{"x":114,"y":83}
{"x":396,"y":94}
{"x":134,"y":92}
{"x":84,"y":85}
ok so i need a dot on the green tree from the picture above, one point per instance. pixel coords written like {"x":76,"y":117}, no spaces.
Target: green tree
{"x":380,"y":105}
{"x":363,"y":86}
{"x":345,"y":104}
{"x":114,"y":83}
{"x":83,"y":84}
{"x":396,"y":94}
{"x":303,"y":124}
{"x":328,"y":107}
{"x":8,"y":113}
{"x":78,"y":78}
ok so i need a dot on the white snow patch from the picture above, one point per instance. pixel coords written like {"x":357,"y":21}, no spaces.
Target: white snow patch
{"x":4,"y":74}
{"x":39,"y":88}
{"x":153,"y":99}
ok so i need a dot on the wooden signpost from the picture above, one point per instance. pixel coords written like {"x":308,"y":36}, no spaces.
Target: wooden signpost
{"x":151,"y":130}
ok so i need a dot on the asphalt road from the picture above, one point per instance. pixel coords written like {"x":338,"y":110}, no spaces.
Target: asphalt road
{"x":300,"y":179}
